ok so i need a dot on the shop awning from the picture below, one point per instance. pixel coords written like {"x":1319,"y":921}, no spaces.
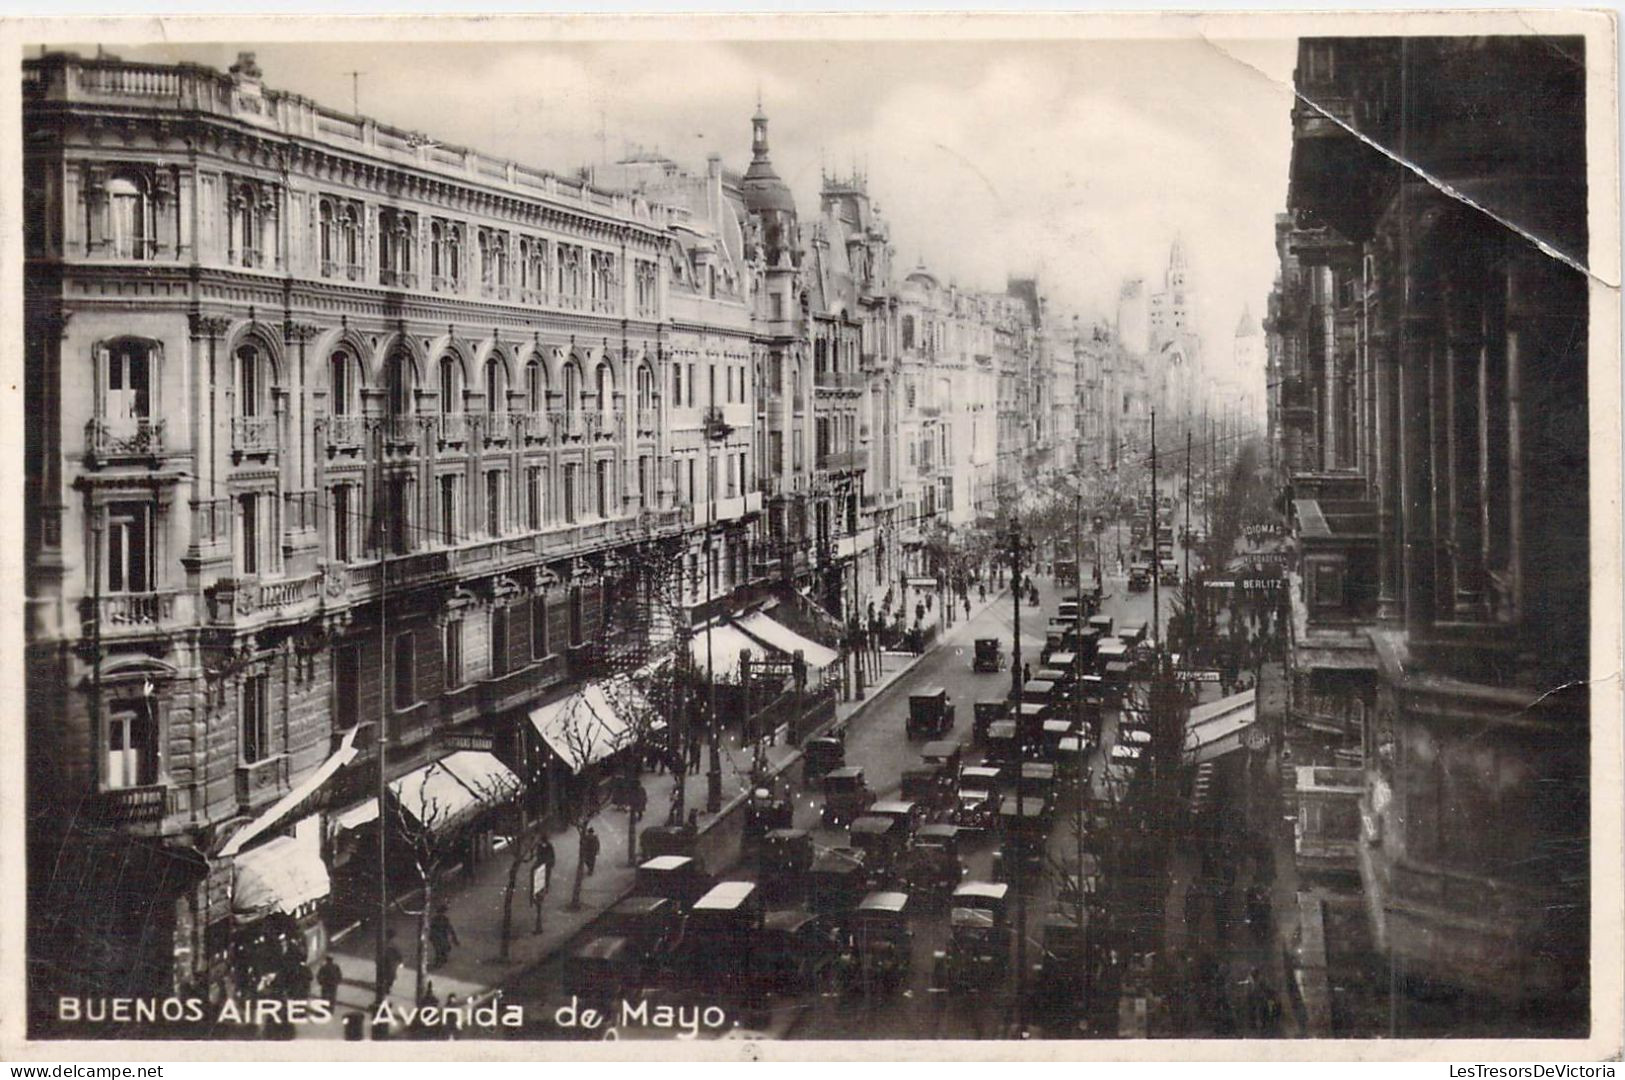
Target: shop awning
{"x":582,"y":728}
{"x":280,"y":875}
{"x":781,"y":637}
{"x":448,"y":792}
{"x":1219,"y":727}
{"x":284,"y":807}
{"x":726,"y":643}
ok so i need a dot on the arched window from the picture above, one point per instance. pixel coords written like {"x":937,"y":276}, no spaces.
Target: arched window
{"x":572,"y":387}
{"x":402,"y":377}
{"x":255,"y":377}
{"x":496,"y":386}
{"x":343,"y":384}
{"x":129,"y":224}
{"x":350,"y":231}
{"x":606,"y":388}
{"x":437,"y":242}
{"x":535,"y":386}
{"x":451,"y":385}
{"x":796,"y":395}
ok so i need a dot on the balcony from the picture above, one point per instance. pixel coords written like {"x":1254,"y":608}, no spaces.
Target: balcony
{"x":261,"y":782}
{"x":568,"y":424}
{"x":141,"y":805}
{"x":238,"y":600}
{"x":403,"y":431}
{"x":346,"y":432}
{"x":533,"y":427}
{"x":669,"y":519}
{"x":839,"y":461}
{"x":397,"y":279}
{"x":839,"y":380}
{"x":129,"y":613}
{"x":452,"y":429}
{"x":253,"y":435}
{"x":114,"y":440}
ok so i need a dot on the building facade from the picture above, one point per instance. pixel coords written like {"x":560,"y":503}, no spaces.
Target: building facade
{"x":1428,"y":410}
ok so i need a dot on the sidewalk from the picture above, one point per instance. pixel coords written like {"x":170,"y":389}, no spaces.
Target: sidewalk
{"x":474,"y":904}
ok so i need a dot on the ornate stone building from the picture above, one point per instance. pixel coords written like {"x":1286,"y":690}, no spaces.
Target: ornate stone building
{"x":1431,"y":416}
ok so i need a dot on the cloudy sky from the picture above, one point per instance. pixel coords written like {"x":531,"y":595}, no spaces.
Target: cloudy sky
{"x":1077,"y":160}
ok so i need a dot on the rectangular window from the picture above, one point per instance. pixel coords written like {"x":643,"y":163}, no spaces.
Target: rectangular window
{"x":346,"y":687}
{"x":493,"y":503}
{"x":448,"y":508}
{"x":248,"y":534}
{"x":538,"y":628}
{"x":643,"y":481}
{"x":692,"y":468}
{"x":454,"y":653}
{"x":575,"y":616}
{"x":601,"y":482}
{"x":676,"y":384}
{"x":570,"y":493}
{"x":132,"y":745}
{"x":533,"y":497}
{"x":691,"y":381}
{"x":499,"y":641}
{"x":254,"y":731}
{"x":128,"y":391}
{"x":129,"y":548}
{"x":341,"y":523}
{"x":403,"y":672}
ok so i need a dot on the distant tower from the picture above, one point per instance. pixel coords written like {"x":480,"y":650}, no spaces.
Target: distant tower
{"x":1178,"y":308}
{"x":768,"y":199}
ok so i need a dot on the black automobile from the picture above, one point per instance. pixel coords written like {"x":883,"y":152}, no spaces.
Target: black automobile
{"x":989,"y":655}
{"x":821,"y":755}
{"x":930,"y":713}
{"x":783,"y":860}
{"x":932,"y":865}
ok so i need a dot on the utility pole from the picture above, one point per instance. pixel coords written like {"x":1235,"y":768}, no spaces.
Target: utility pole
{"x":355,"y":91}
{"x":1156,"y":529}
{"x":1185,"y":589}
{"x":381,"y":742}
{"x":1018,"y":871}
{"x":1083,"y":770}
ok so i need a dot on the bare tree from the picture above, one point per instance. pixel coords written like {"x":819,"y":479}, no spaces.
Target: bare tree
{"x":423,"y":821}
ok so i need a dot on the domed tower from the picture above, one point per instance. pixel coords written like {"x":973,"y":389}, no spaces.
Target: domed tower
{"x":769,"y":200}
{"x":1178,"y":313}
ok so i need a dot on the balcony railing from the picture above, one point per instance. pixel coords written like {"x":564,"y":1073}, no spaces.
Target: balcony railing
{"x":131,"y":805}
{"x":844,"y":460}
{"x":130,"y":611}
{"x":453,"y":428}
{"x":533,"y":426}
{"x":662,"y":520}
{"x":399,"y":279}
{"x":113,"y":439}
{"x":253,"y":434}
{"x":346,"y":431}
{"x":403,"y":430}
{"x":839,"y":380}
{"x":568,"y":423}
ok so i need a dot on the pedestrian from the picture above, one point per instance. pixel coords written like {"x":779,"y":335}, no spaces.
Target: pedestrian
{"x":442,"y":936}
{"x":967,"y":607}
{"x":545,"y":855}
{"x":392,"y":965}
{"x":589,"y":849}
{"x":981,"y":593}
{"x":1026,"y":672}
{"x":428,"y":997}
{"x":328,"y":977}
{"x":693,"y":755}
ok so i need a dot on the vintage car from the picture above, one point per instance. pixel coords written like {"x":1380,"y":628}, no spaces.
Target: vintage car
{"x":680,"y":878}
{"x":1054,"y":732}
{"x":1132,"y":634}
{"x":979,"y":937}
{"x":793,"y":952}
{"x":932,"y":865}
{"x":1139,"y":577}
{"x":837,"y":881}
{"x":987,"y":712}
{"x":783,"y":859}
{"x":767,"y":809}
{"x":930,"y":713}
{"x":1058,"y":971}
{"x":989,"y":655}
{"x":669,"y":840}
{"x":846,"y":795}
{"x":604,"y":969}
{"x":930,"y":784}
{"x":912,"y":814}
{"x":820,"y":755}
{"x":882,"y":841}
{"x":1103,"y":623}
{"x":1002,"y":745}
{"x":1023,"y":829}
{"x":1071,"y":756}
{"x":1169,"y":572}
{"x":1030,"y":717}
{"x":1037,"y":691}
{"x":715,"y":951}
{"x":653,"y":924}
{"x":946,"y":752}
{"x":1066,"y":662}
{"x":881,"y":942}
{"x":978,"y":798}
{"x":1060,"y":681}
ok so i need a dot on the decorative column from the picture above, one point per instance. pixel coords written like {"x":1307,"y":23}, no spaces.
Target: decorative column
{"x":1419,"y":316}
{"x":1466,"y":352}
{"x":1326,"y":313}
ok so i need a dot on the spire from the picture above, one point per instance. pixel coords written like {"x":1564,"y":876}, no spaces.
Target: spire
{"x":1176,"y":255}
